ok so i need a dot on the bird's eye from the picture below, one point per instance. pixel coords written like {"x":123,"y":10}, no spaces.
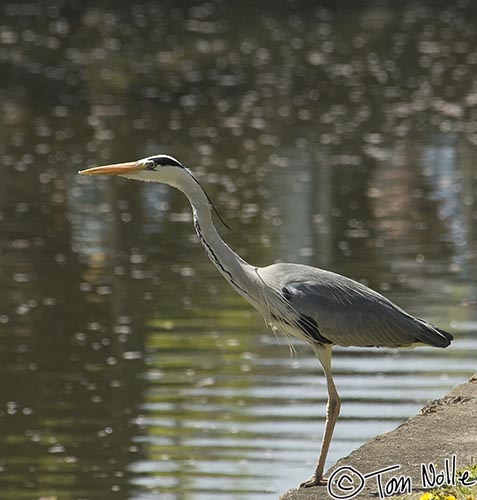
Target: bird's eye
{"x":150,"y":165}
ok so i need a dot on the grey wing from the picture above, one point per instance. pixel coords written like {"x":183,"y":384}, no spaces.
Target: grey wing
{"x":341,"y":311}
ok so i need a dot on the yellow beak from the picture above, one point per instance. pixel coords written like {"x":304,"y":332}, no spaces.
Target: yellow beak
{"x":115,"y":169}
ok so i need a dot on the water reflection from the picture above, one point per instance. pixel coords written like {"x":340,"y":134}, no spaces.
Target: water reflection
{"x":339,"y":136}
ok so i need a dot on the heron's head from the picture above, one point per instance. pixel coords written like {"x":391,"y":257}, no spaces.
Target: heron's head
{"x":158,"y":168}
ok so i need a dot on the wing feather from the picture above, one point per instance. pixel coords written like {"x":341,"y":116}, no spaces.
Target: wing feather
{"x":348,"y":313}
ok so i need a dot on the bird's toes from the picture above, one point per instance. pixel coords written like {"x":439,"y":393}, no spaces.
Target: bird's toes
{"x":313,"y":481}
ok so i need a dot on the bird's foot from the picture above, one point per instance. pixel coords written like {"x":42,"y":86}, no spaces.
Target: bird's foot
{"x":313,"y":481}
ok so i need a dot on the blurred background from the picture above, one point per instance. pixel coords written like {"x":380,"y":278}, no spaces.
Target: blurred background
{"x":338,"y":134}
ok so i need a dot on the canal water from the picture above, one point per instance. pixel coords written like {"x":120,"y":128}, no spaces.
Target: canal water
{"x":337,"y":134}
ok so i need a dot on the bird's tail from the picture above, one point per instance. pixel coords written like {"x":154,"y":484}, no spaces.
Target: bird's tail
{"x":434,"y":336}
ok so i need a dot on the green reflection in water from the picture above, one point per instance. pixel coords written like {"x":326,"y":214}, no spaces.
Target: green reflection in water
{"x":341,"y":136}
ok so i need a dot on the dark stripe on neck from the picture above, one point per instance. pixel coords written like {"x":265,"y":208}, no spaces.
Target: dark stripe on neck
{"x":213,"y":257}
{"x":209,"y":200}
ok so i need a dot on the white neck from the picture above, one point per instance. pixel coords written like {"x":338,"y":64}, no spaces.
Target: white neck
{"x":233,"y":268}
{"x":241,"y":275}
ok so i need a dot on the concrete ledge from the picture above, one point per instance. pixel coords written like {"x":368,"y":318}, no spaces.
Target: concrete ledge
{"x":443,"y":429}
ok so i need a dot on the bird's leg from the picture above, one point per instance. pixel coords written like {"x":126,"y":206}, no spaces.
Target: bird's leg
{"x":332,"y":411}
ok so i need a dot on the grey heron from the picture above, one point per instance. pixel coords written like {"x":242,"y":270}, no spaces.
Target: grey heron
{"x":320,"y":307}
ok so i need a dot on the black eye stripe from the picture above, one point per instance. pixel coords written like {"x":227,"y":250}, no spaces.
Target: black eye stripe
{"x":162,"y":161}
